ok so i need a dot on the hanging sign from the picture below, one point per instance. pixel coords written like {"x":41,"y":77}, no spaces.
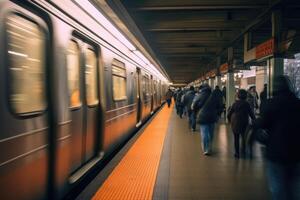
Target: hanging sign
{"x":265,"y":49}
{"x":224,"y":68}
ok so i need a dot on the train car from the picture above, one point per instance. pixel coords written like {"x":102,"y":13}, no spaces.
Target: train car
{"x":70,"y":94}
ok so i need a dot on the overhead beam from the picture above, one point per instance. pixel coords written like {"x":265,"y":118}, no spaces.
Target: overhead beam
{"x":201,"y":7}
{"x":178,"y":25}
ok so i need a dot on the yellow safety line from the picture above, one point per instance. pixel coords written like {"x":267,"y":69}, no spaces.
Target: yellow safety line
{"x":134,"y":177}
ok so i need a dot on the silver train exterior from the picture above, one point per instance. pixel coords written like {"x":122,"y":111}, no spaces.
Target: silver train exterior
{"x":70,"y":94}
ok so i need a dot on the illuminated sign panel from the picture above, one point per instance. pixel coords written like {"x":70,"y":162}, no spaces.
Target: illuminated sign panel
{"x":224,"y":68}
{"x":265,"y":49}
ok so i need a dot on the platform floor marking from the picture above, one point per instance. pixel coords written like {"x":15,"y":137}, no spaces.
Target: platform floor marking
{"x":134,"y":177}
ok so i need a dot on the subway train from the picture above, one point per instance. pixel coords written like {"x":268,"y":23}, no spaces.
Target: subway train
{"x":70,"y":94}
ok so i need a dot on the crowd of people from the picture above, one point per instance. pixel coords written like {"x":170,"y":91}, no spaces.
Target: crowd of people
{"x":272,"y":122}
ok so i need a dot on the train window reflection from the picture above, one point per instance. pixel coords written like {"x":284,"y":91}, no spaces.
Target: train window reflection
{"x":91,"y":77}
{"x":73,"y":67}
{"x":119,"y":80}
{"x":26,"y":55}
{"x":146,"y":85}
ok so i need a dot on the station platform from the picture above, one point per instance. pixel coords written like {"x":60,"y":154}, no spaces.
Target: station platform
{"x":165,"y":161}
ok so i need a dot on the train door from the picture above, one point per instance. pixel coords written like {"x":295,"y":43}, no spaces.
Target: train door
{"x":138,"y":95}
{"x":24,"y":104}
{"x":152,"y":94}
{"x":84,"y":101}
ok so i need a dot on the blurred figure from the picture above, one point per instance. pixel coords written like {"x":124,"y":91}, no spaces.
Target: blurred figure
{"x":224,"y":97}
{"x":179,"y":105}
{"x":188,"y":100}
{"x":263,"y":98}
{"x":252,"y":98}
{"x":169,"y":95}
{"x":207,"y":117}
{"x":220,"y":99}
{"x":280,"y":119}
{"x":238,"y":116}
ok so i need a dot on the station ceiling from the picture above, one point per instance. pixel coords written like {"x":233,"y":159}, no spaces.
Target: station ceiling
{"x":188,"y":35}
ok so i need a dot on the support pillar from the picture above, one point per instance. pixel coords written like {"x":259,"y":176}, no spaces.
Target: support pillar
{"x":218,"y":81}
{"x":212,"y":83}
{"x":275,"y":64}
{"x":230,"y":89}
{"x":275,"y":68}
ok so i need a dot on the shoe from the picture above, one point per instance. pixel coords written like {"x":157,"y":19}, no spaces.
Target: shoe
{"x":206,"y":153}
{"x":193,"y":130}
{"x":236,"y":155}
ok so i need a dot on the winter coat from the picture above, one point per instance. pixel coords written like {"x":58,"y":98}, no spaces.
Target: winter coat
{"x":238,"y":116}
{"x":200,"y":99}
{"x":178,"y":97}
{"x":169,"y":94}
{"x":209,"y":112}
{"x":188,"y":99}
{"x":280,"y":119}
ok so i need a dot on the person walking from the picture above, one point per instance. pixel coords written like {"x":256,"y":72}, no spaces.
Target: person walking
{"x":263,"y":98}
{"x":188,"y":100}
{"x":179,"y":105}
{"x":238,"y":117}
{"x":220,"y":99}
{"x":280,"y":120}
{"x":207,"y":117}
{"x":169,"y":95}
{"x":252,"y":98}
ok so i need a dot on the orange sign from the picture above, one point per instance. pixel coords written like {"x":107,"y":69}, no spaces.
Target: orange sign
{"x":265,"y":49}
{"x":211,"y":73}
{"x":224,"y":68}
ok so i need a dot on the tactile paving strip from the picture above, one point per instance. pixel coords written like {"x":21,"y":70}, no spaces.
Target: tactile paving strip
{"x":134,"y":177}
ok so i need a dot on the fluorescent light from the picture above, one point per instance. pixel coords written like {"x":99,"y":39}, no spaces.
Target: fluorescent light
{"x":18,"y":54}
{"x":92,"y":10}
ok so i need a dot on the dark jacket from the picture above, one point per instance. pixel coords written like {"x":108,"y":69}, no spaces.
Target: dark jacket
{"x":280,"y":118}
{"x":178,"y":97}
{"x":188,"y":99}
{"x":220,"y":99}
{"x":169,"y":94}
{"x":200,"y":99}
{"x":238,"y":116}
{"x":209,"y":112}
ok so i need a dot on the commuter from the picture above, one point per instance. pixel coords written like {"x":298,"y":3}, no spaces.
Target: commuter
{"x":169,"y":95}
{"x":238,"y":116}
{"x":263,"y":98}
{"x":188,"y":100}
{"x":224,"y":92}
{"x":280,"y":120}
{"x":252,"y":98}
{"x":182,"y":102}
{"x":224,"y":97}
{"x":220,"y":99}
{"x":207,"y":117}
{"x":179,"y":104}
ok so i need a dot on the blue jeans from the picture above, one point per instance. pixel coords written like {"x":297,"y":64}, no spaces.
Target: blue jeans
{"x":284,"y":180}
{"x":192,"y":119}
{"x":207,"y":134}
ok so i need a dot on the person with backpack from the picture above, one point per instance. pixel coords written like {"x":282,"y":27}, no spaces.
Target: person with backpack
{"x":238,"y":116}
{"x":208,"y":107}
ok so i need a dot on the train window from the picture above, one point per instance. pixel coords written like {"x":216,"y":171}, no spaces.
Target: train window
{"x":26,"y":56}
{"x":91,"y":77}
{"x":73,"y":66}
{"x":146,"y":83}
{"x":119,"y":80}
